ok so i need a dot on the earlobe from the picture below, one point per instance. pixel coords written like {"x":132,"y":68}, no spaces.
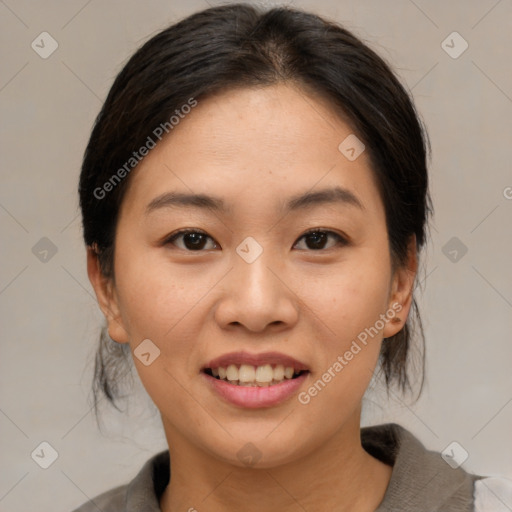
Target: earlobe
{"x":401,"y":294}
{"x":106,"y":296}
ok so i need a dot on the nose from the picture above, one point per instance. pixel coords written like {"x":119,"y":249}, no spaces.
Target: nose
{"x":258,"y":296}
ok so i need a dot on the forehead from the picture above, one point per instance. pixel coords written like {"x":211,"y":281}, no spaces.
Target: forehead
{"x":254,"y":146}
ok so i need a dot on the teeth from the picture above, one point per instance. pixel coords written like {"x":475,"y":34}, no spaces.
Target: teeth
{"x":264,"y":374}
{"x":249,"y":375}
{"x":279,"y":372}
{"x":246,"y":373}
{"x":232,"y":372}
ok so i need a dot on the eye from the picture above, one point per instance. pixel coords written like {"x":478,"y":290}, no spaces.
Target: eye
{"x":193,"y":239}
{"x":196,"y":240}
{"x":318,"y":237}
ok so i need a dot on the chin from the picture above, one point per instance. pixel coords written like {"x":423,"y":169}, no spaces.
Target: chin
{"x":259,"y":452}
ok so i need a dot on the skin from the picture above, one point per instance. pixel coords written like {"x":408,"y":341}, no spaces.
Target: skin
{"x":255,"y":148}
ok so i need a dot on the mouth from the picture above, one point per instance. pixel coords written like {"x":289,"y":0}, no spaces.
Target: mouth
{"x":255,"y":380}
{"x":254,"y":376}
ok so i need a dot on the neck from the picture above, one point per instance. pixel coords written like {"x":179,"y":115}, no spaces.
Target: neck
{"x":338,"y":476}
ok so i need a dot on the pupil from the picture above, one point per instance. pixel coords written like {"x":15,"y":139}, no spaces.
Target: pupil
{"x":195,"y":238}
{"x":318,"y":239}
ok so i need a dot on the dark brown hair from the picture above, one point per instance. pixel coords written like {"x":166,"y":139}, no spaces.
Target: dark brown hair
{"x":239,"y":45}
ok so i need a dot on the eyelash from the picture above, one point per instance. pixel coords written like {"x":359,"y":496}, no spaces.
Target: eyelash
{"x":341,"y":241}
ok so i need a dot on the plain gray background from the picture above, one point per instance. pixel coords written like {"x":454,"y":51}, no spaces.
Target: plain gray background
{"x":50,"y":320}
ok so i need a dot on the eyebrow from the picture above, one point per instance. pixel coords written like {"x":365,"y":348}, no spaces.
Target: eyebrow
{"x":336,"y":195}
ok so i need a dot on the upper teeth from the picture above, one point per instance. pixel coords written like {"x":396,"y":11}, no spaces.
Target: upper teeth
{"x":247,"y":374}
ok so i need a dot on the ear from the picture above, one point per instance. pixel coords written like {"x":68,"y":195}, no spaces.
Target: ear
{"x":107,"y":298}
{"x":402,"y":287}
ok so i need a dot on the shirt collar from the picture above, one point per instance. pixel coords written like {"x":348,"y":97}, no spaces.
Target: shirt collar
{"x":421,"y":479}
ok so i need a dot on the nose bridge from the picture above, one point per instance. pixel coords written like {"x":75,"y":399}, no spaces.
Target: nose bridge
{"x":256,"y":297}
{"x":252,"y":270}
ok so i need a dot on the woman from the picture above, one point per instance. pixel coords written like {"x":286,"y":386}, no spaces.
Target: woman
{"x":254,"y":198}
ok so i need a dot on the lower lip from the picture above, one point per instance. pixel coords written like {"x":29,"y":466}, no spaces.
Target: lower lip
{"x":254,"y":397}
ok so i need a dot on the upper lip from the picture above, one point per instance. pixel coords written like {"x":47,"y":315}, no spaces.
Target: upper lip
{"x":239,"y":358}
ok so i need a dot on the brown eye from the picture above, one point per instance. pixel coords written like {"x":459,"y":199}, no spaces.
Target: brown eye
{"x":192,"y":240}
{"x":317,"y":239}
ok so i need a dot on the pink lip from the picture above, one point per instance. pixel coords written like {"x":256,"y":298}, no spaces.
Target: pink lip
{"x":253,"y":397}
{"x":272,"y":358}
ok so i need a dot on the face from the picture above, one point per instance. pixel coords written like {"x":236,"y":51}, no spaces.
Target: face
{"x":286,"y":266}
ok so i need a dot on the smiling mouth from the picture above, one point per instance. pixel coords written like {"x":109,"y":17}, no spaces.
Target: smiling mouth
{"x":256,"y":376}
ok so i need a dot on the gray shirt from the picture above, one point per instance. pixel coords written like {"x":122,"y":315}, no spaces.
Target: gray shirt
{"x":421,"y":481}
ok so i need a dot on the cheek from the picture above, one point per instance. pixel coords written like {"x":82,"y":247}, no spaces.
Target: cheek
{"x":347,"y":305}
{"x":161,"y":305}
{"x":154,"y":295}
{"x":348,"y":299}
{"x":347,"y":309}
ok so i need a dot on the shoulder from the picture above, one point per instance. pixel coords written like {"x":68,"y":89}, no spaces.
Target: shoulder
{"x":493,"y":494}
{"x":425,"y":480}
{"x":109,"y":501}
{"x":142,"y":493}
